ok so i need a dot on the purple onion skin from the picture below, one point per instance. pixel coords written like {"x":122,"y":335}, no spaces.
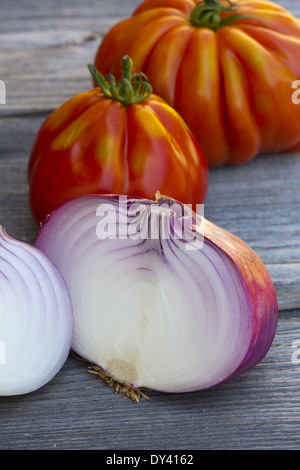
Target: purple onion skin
{"x":257,"y":284}
{"x":259,"y":289}
{"x":254,"y":277}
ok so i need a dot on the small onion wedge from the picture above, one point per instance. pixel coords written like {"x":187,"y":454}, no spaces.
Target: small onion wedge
{"x":163,"y":299}
{"x":36,"y":318}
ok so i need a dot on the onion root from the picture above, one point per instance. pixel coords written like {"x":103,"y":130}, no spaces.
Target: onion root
{"x":129,"y":391}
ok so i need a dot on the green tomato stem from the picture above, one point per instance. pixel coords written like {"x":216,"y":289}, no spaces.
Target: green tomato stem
{"x":207,"y":13}
{"x":132,"y":88}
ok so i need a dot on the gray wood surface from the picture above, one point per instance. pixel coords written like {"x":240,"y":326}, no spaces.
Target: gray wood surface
{"x":44,"y":49}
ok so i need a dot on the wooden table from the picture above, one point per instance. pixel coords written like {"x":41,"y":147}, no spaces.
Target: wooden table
{"x":45,"y":47}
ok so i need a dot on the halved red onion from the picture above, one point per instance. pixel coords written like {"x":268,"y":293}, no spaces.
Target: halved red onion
{"x":163,"y":299}
{"x":36,"y":318}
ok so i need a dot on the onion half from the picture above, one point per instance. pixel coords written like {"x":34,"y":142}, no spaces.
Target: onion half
{"x":36,"y":318}
{"x":163,"y":299}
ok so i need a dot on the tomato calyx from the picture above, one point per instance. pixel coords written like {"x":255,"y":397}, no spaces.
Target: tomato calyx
{"x":131,"y":89}
{"x":207,"y":13}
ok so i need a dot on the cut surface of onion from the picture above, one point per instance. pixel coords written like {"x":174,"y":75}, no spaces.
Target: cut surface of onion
{"x":163,"y":299}
{"x":36,"y":318}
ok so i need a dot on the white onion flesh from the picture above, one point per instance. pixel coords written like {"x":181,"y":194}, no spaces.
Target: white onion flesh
{"x":36,"y":318}
{"x":162,"y":313}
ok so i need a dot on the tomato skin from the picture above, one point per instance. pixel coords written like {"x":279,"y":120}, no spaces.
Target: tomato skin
{"x":94,"y":144}
{"x":232,"y":86}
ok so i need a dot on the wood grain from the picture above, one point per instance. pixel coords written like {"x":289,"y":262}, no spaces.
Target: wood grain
{"x":44,"y":50}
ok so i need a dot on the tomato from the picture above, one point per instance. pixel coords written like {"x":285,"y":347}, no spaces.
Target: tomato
{"x":121,"y":140}
{"x":226,"y":67}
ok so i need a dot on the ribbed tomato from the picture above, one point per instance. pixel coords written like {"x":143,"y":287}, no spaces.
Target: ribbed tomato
{"x":226,"y":67}
{"x":116,"y":138}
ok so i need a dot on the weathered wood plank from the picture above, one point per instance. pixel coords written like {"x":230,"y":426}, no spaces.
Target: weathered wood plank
{"x":45,"y":47}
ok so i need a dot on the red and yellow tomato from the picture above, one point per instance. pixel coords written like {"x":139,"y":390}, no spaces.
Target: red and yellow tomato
{"x":96,"y":144}
{"x":226,"y":67}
